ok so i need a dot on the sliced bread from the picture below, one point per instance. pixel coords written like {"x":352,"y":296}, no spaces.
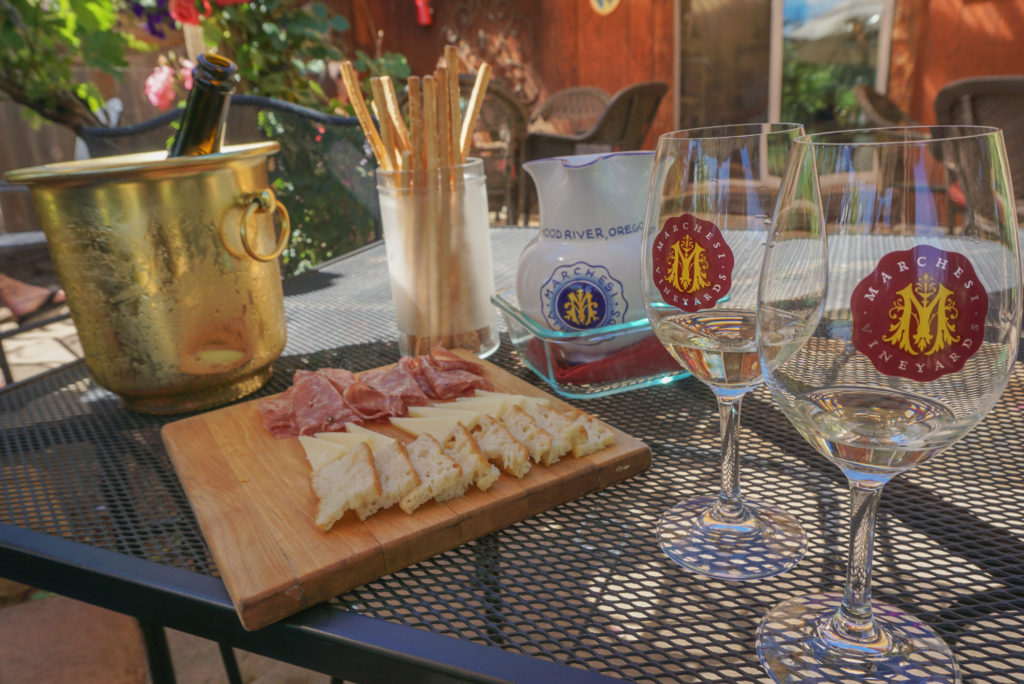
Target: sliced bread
{"x":347,"y":483}
{"x":397,"y":479}
{"x":525,"y":429}
{"x":463,"y":449}
{"x":438,"y":473}
{"x":499,"y":447}
{"x":565,"y":433}
{"x":599,"y":435}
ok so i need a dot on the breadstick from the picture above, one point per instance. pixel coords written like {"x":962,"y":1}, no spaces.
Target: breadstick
{"x":355,"y":96}
{"x":391,"y":101}
{"x":430,"y":123}
{"x":451,"y":60}
{"x":416,"y":124}
{"x":386,"y":127}
{"x":444,"y":121}
{"x":476,"y":100}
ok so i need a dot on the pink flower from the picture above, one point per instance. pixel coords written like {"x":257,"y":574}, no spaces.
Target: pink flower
{"x":184,"y":11}
{"x":187,"y":66}
{"x":160,"y":87}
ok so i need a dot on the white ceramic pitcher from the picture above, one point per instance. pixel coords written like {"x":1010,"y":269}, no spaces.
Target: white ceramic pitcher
{"x":582,"y":271}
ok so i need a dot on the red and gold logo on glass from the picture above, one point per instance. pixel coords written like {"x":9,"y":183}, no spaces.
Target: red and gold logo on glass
{"x":920,"y":314}
{"x":692,"y":263}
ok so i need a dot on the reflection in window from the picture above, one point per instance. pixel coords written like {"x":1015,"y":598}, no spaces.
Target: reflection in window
{"x":828,"y":47}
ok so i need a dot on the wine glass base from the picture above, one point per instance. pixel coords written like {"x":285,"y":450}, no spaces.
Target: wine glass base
{"x":792,"y":648}
{"x":767,"y":542}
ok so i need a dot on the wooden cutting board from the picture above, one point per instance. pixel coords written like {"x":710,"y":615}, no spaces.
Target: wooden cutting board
{"x":252,"y":497}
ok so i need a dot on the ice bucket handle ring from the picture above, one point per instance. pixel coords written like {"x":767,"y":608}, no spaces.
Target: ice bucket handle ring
{"x":262,"y":202}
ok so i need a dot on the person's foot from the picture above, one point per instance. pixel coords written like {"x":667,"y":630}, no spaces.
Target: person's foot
{"x":25,"y":300}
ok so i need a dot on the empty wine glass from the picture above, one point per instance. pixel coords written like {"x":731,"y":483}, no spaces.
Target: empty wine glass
{"x":712,"y":194}
{"x":894,"y":254}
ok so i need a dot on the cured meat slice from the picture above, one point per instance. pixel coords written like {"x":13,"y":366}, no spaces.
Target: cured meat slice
{"x":371,"y":403}
{"x":396,"y":381}
{"x":277,"y":414}
{"x":318,"y":406}
{"x":448,"y":384}
{"x":414,"y":366}
{"x":339,"y":377}
{"x":445,"y":360}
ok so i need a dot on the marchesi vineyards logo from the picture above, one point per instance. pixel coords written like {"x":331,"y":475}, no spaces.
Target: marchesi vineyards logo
{"x":920,"y":314}
{"x":692,"y":263}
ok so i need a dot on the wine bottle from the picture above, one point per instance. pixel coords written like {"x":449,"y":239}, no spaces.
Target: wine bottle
{"x":202,"y":124}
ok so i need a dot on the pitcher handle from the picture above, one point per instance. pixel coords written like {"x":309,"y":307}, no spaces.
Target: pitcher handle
{"x":265,"y":201}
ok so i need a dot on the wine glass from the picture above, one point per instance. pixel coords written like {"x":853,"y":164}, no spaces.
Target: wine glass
{"x":893,"y":265}
{"x":712,"y":193}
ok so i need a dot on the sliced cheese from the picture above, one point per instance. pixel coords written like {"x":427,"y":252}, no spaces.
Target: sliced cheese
{"x":492,"y":406}
{"x":352,"y":438}
{"x":515,"y":399}
{"x":438,"y":427}
{"x":321,"y":453}
{"x":468,"y":419}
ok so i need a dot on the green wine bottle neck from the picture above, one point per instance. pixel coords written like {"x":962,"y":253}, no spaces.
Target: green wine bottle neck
{"x":202,"y":124}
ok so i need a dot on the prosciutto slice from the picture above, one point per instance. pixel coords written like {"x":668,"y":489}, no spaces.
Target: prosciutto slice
{"x":396,"y":381}
{"x":318,"y":406}
{"x":371,"y":403}
{"x":278,"y":416}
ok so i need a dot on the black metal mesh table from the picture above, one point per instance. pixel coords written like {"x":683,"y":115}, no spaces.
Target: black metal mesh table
{"x":584,"y":584}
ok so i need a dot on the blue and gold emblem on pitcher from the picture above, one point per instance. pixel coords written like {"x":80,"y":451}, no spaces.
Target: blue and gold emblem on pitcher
{"x":582,"y":296}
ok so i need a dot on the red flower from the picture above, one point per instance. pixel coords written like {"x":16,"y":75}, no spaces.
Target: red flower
{"x":184,"y":11}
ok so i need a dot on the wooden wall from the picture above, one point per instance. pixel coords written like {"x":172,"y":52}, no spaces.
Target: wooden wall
{"x":545,"y":45}
{"x":952,"y":39}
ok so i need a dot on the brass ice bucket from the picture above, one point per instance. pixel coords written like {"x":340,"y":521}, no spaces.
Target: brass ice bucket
{"x":170,"y":268}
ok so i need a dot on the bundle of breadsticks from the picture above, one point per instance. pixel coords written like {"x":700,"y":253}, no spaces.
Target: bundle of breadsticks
{"x":428,"y":218}
{"x":437,"y":134}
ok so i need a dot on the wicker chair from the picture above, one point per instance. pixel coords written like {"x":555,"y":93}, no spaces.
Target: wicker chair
{"x":572,"y":111}
{"x":623,"y":125}
{"x":990,"y":101}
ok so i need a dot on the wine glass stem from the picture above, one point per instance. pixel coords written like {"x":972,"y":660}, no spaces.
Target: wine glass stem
{"x":853,"y":621}
{"x":729,"y":507}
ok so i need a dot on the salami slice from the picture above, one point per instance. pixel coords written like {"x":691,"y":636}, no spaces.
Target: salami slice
{"x":339,"y":377}
{"x":371,"y":403}
{"x":445,"y":360}
{"x":448,"y":384}
{"x":318,"y":406}
{"x":396,"y":381}
{"x":277,"y":414}
{"x":414,"y":366}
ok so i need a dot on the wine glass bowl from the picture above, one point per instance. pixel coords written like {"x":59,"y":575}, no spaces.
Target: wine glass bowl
{"x":712,"y":193}
{"x":894,"y":257}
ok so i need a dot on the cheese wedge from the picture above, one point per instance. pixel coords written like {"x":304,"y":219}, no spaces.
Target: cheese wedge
{"x":321,"y":453}
{"x":351,"y":438}
{"x":468,"y":419}
{"x":438,"y":427}
{"x":491,"y":406}
{"x":521,"y":400}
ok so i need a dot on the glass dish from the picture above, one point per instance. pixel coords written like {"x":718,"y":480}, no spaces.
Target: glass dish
{"x":634,"y":358}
